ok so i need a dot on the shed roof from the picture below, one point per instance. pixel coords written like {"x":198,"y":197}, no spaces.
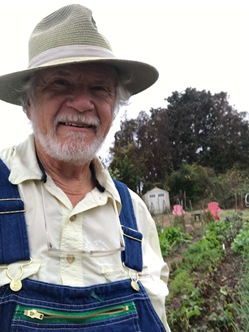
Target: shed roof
{"x":156,"y":190}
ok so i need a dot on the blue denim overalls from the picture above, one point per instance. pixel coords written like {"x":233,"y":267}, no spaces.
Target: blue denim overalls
{"x":39,"y":306}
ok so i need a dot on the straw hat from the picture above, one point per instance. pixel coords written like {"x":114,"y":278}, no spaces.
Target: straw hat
{"x":67,"y":36}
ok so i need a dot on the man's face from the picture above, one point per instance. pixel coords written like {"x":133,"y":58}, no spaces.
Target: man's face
{"x":72,"y":110}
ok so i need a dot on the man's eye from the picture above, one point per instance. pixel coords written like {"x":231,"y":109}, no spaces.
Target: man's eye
{"x":61,"y":82}
{"x":99,"y":88}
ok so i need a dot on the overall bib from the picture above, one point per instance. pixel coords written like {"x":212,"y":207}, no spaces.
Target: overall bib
{"x":38,"y":306}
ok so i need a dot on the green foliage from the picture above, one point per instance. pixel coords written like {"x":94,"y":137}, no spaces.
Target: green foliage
{"x":164,"y":244}
{"x":200,"y":257}
{"x":184,"y":147}
{"x":242,"y":305}
{"x":193,"y":277}
{"x":182,"y":284}
{"x":124,"y":168}
{"x":191,"y":306}
{"x":202,"y":185}
{"x":175,"y":235}
{"x":230,"y":186}
{"x":170,"y":237}
{"x":241,"y":242}
{"x":221,"y":319}
{"x":209,"y":131}
{"x":194,"y":179}
{"x":203,"y":255}
{"x":226,"y":230}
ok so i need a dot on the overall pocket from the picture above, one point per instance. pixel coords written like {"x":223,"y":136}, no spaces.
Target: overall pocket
{"x":122,"y":317}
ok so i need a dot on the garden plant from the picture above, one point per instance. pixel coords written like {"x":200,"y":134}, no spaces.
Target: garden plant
{"x":205,"y":290}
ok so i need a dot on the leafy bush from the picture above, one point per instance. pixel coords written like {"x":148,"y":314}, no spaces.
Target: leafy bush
{"x":241,"y":241}
{"x":170,"y":237}
{"x":182,"y":284}
{"x":226,"y":230}
{"x":203,"y":255}
{"x":164,"y":244}
{"x":197,"y":181}
{"x":242,"y":305}
{"x":176,"y":236}
{"x":191,"y":306}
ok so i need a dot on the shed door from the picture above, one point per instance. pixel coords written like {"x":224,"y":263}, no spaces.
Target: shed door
{"x":162,"y":202}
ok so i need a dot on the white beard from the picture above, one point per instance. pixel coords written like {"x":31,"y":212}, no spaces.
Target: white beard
{"x":75,"y":149}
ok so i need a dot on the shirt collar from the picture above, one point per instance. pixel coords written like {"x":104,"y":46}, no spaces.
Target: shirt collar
{"x":106,"y":181}
{"x":24,"y":163}
{"x":25,"y":167}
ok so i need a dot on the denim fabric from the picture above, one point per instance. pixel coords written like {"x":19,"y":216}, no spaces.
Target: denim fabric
{"x":78,"y":299}
{"x":13,"y":233}
{"x":132,"y":257}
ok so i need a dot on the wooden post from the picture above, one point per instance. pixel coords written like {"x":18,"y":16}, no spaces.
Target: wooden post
{"x":241,"y":202}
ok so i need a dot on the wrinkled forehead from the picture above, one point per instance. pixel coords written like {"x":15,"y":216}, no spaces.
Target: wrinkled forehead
{"x":80,"y":72}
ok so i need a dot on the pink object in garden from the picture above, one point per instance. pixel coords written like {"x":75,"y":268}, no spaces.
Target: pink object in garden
{"x":213,"y":207}
{"x":178,"y":210}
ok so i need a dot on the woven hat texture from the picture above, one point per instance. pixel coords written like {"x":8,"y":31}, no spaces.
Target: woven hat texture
{"x":68,"y":36}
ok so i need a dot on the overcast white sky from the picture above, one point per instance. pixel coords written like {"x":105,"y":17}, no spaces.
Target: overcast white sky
{"x":200,"y":44}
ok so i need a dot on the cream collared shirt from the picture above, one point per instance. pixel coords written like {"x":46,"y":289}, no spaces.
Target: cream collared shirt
{"x":93,"y":224}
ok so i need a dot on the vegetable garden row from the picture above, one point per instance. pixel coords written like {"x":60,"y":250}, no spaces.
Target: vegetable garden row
{"x":209,"y":274}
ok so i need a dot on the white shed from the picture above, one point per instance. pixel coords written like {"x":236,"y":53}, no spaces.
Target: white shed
{"x":157,"y":200}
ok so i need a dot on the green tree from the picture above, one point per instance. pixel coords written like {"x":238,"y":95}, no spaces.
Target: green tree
{"x":195,"y":128}
{"x":207,"y":130}
{"x":124,"y":168}
{"x":196,"y":181}
{"x":150,"y":155}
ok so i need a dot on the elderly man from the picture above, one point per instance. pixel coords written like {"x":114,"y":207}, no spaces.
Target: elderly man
{"x":79,"y":251}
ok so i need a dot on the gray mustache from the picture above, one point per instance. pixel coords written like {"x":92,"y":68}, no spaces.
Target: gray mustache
{"x":78,"y":119}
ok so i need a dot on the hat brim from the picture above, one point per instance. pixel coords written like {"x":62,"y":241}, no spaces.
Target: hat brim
{"x":142,"y":76}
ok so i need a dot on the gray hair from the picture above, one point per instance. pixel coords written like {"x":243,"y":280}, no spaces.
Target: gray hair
{"x":27,"y":92}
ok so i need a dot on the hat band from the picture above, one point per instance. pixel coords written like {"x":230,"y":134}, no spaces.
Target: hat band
{"x":70,"y":51}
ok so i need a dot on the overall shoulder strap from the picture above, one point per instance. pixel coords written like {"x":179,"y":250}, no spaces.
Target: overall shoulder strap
{"x":132,"y":256}
{"x":13,"y":231}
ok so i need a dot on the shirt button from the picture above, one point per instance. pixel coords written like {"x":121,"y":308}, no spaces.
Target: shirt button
{"x":72,"y":218}
{"x":70,"y":259}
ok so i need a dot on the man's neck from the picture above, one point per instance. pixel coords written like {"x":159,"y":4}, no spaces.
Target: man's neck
{"x":75,"y":180}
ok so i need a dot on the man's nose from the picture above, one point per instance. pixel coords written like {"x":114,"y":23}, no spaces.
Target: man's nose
{"x":80,"y":99}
